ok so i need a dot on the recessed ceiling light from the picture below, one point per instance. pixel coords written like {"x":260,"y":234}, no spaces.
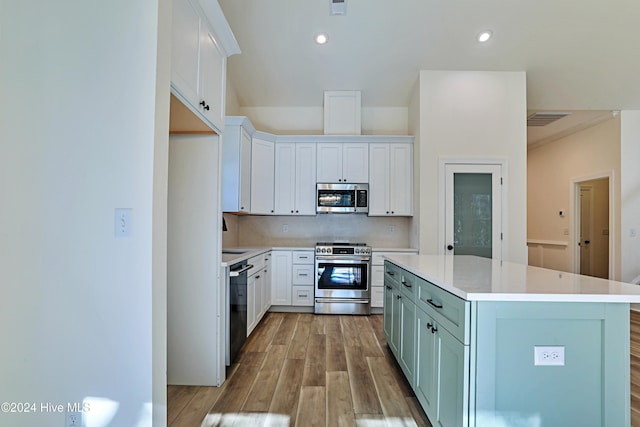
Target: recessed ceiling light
{"x":322,"y":38}
{"x":484,"y":36}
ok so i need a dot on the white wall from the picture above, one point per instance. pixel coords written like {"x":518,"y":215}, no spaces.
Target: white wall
{"x":309,"y":120}
{"x":630,"y":194}
{"x":473,"y":114}
{"x":77,"y":132}
{"x":552,"y":168}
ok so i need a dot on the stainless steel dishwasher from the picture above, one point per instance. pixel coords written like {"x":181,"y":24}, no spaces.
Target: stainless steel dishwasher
{"x":237,"y":310}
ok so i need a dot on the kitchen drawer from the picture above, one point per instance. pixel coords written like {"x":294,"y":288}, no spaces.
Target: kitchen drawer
{"x":407,"y":284}
{"x":447,"y":309}
{"x":302,"y":295}
{"x":303,"y":257}
{"x":377,"y":296}
{"x":303,"y":275}
{"x":258,"y":264}
{"x":392,"y":272}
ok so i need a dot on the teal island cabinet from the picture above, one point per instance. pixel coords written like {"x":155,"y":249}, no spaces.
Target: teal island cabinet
{"x":493,"y":343}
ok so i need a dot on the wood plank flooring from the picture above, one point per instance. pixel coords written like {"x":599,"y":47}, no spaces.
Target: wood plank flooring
{"x":305,"y":370}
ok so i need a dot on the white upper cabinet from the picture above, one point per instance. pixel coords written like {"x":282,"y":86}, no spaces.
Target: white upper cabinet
{"x":201,"y":42}
{"x":343,"y":162}
{"x":236,"y":161}
{"x":391,"y":179}
{"x":295,"y":179}
{"x":262,"y":176}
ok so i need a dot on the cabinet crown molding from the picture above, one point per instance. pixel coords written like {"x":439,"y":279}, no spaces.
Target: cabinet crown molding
{"x":220,"y":26}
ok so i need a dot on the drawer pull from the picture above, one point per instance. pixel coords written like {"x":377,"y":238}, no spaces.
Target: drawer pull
{"x":390,"y":273}
{"x":406,"y":284}
{"x":430,"y":301}
{"x":389,"y":287}
{"x":302,"y":274}
{"x":303,"y":295}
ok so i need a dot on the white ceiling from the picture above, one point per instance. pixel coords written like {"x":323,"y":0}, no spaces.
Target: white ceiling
{"x":578,"y":54}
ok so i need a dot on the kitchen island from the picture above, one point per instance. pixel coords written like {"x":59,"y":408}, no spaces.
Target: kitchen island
{"x":491,"y":343}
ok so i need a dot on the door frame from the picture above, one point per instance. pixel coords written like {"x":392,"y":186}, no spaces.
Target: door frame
{"x":574,"y":219}
{"x":471,"y":161}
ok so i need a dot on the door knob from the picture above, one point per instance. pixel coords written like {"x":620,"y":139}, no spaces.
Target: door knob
{"x":450,"y":247}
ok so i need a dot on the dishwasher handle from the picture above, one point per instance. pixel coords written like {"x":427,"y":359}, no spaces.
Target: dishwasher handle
{"x":236,"y":273}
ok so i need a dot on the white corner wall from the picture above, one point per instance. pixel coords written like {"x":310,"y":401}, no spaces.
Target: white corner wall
{"x":77,"y":135}
{"x":630,"y":194}
{"x":470,"y":114}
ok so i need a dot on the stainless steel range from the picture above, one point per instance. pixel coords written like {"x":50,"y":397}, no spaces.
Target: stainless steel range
{"x":342,"y":278}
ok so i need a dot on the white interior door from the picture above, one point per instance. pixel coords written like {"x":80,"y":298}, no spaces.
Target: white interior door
{"x":473,"y":210}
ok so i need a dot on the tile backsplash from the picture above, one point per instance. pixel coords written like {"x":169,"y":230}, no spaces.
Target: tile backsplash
{"x":392,"y":232}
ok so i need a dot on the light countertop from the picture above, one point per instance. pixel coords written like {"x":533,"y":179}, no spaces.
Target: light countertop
{"x":481,"y":279}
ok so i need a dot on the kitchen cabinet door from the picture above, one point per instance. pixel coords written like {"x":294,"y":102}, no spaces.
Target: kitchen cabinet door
{"x":401,"y":179}
{"x":388,"y":311}
{"x":378,"y":179}
{"x":213,"y":64}
{"x":285,"y":175}
{"x":425,"y":385}
{"x":391,"y":179}
{"x":251,"y":304}
{"x":266,"y":294}
{"x":236,"y":165}
{"x":262,"y":176}
{"x":329,"y":162}
{"x":343,"y":162}
{"x":305,"y":182}
{"x":281,"y":278}
{"x":406,"y":355}
{"x":185,"y":48}
{"x":355,"y":163}
{"x":198,"y":64}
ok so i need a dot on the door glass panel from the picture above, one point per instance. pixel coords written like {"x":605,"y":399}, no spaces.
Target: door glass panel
{"x":472,"y":233}
{"x":342,"y":276}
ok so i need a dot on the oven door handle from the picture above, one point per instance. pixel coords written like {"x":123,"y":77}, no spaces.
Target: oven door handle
{"x":336,"y":259}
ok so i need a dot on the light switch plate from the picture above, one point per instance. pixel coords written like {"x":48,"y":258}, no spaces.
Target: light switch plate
{"x":122,"y":222}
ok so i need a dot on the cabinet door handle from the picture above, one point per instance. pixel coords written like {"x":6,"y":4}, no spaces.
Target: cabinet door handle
{"x":398,"y":297}
{"x":406,"y":284}
{"x":390,"y":273}
{"x":430,"y":301}
{"x":388,"y":287}
{"x":429,"y":325}
{"x":257,"y":277}
{"x":434,"y":329}
{"x":202,"y":103}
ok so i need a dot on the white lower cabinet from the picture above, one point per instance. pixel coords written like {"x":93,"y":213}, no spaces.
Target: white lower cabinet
{"x":292,"y":277}
{"x":258,"y":289}
{"x":281,"y":277}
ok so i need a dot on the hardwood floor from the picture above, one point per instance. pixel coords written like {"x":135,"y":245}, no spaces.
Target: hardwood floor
{"x":305,"y":370}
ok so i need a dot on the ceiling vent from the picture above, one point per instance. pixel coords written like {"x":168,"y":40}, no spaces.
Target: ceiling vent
{"x":543,"y":119}
{"x":338,"y":7}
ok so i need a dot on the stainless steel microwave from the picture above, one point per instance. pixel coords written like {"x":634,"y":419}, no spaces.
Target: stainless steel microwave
{"x":342,"y":198}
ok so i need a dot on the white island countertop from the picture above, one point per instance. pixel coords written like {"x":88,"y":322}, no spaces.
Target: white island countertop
{"x":481,"y":279}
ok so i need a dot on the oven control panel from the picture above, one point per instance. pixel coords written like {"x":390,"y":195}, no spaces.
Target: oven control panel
{"x":343,"y":250}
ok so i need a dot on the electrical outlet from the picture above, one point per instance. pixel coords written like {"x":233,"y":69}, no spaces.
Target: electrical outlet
{"x":285,"y":228}
{"x":548,"y":355}
{"x":73,"y":419}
